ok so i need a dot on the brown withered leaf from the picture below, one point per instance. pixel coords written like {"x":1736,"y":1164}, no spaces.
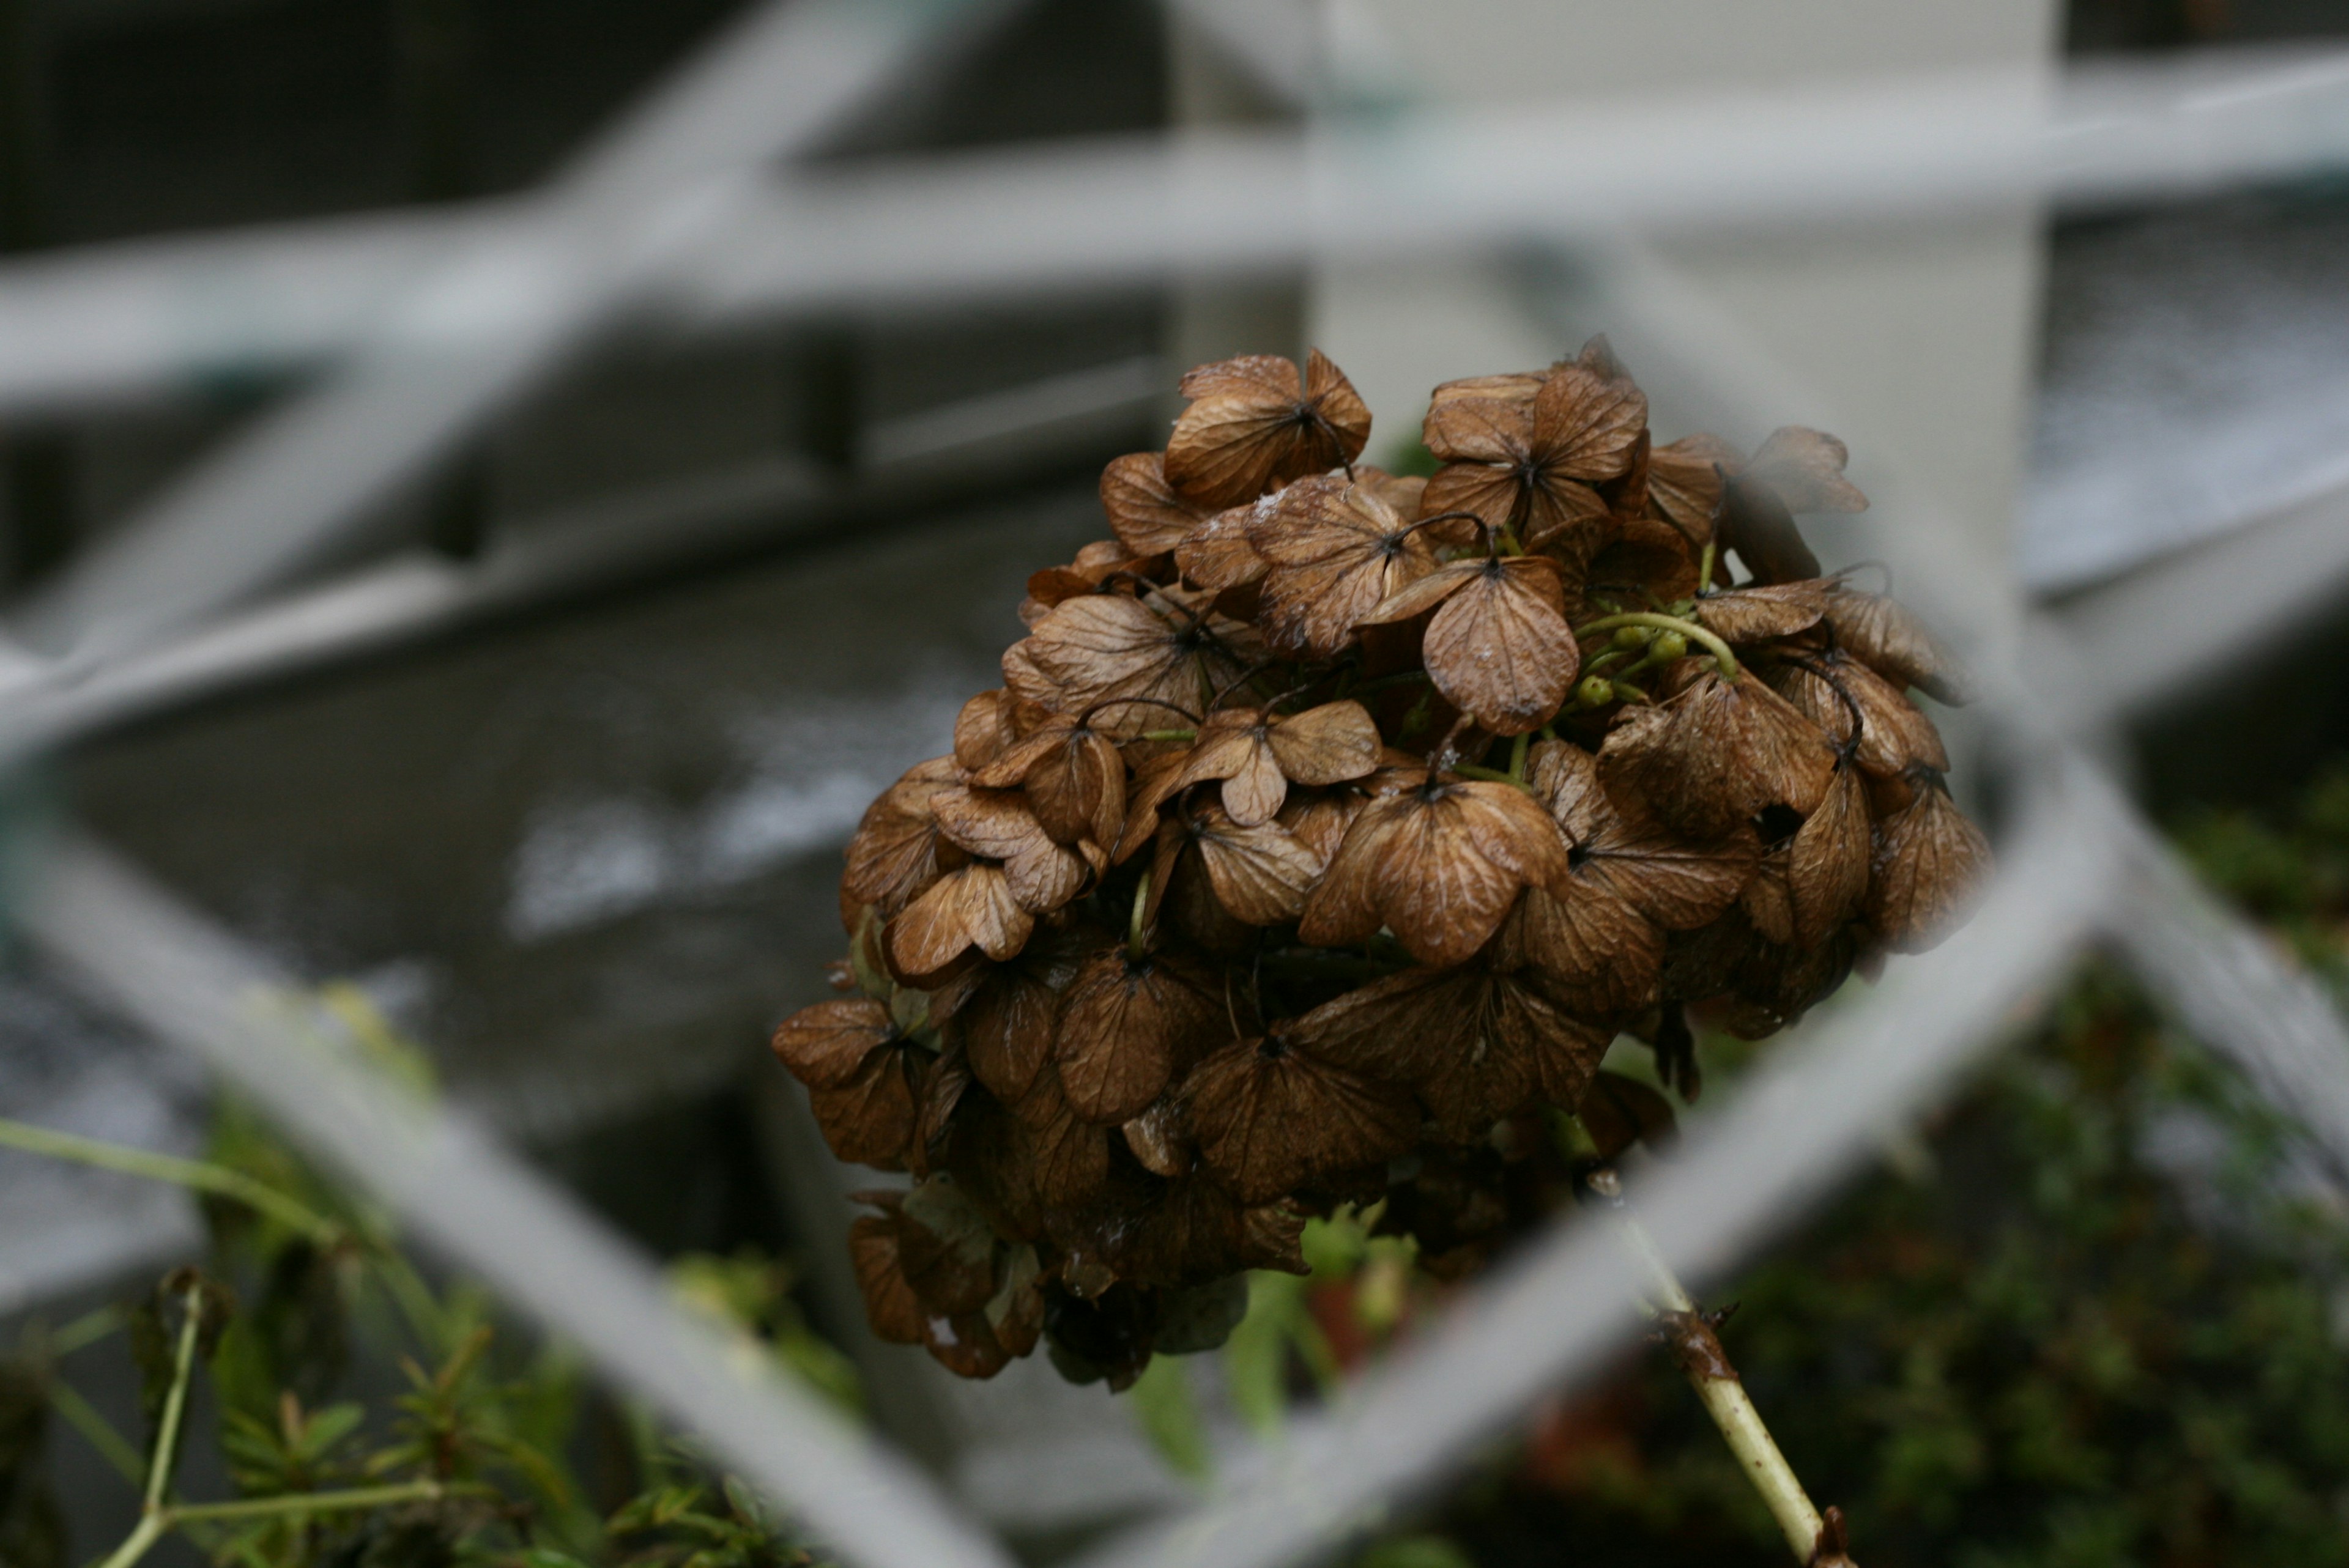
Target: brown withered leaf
{"x":897,"y":852}
{"x":890,"y":1304}
{"x":1127,"y":1025}
{"x":1256,"y":755}
{"x":1763,"y":611}
{"x":1649,"y":558}
{"x":1883,"y":634}
{"x":1095,"y":565}
{"x":1827,"y":864}
{"x":943,"y":1088}
{"x":1533,"y":467}
{"x":1476,"y":1044}
{"x":946,"y":1248}
{"x":1161,"y":1140}
{"x":1092,"y":650}
{"x":1335,"y":553}
{"x":1006,"y":1013}
{"x":1513,"y":386}
{"x":972,"y":906}
{"x":1269,"y":1116}
{"x":1439,"y":862}
{"x":1071,"y":771}
{"x":1499,"y":647}
{"x":1891,"y":735}
{"x":1805,"y":469}
{"x":1596,"y":949}
{"x":1251,"y":423}
{"x":1928,"y":867}
{"x":1144,"y":512}
{"x":823,"y":1045}
{"x":1723,"y":751}
{"x":1184,"y":898}
{"x":868,"y":1117}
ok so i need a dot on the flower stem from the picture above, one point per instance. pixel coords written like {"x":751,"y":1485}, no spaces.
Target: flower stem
{"x":175,"y":1403}
{"x":1133,"y":948}
{"x":312,"y":1502}
{"x":198,"y":1174}
{"x":1689,"y":629}
{"x":83,"y":1417}
{"x":1169,"y":735}
{"x":1816,"y":1539}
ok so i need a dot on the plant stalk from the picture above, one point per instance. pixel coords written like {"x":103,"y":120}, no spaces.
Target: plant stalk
{"x":1689,"y":629}
{"x":193,"y":1173}
{"x":1816,"y":1539}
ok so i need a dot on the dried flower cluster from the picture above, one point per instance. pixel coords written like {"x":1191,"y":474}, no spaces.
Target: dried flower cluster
{"x":1329,"y":826}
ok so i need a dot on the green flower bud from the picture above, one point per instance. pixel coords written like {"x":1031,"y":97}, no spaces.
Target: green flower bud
{"x":1668,"y":646}
{"x":1594,"y":691}
{"x":1630,"y":638}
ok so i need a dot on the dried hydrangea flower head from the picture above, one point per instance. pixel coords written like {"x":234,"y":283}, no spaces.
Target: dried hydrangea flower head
{"x":1328,"y":827}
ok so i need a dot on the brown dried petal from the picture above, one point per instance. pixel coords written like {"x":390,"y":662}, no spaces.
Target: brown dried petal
{"x":969,"y":907}
{"x":1893,"y":735}
{"x":1500,"y":648}
{"x":1249,"y":424}
{"x":1726,"y":752}
{"x":946,"y":1248}
{"x":1804,"y":466}
{"x":1882,"y":632}
{"x":1271,"y":1116}
{"x":1335,"y":552}
{"x":1125,"y":1027}
{"x":1091,"y":650}
{"x":984,"y":729}
{"x":1757,"y":614}
{"x":823,"y":1045}
{"x":895,"y":852}
{"x":1216,"y":554}
{"x":1439,"y":865}
{"x":1827,"y":865}
{"x":1930,"y":865}
{"x":1160,"y":1139}
{"x":1598,"y":950}
{"x":1041,"y":875}
{"x":1147,"y":516}
{"x":1585,"y":425}
{"x":1685,"y":482}
{"x":890,"y":1304}
{"x":868,"y":1118}
{"x":1326,"y":745}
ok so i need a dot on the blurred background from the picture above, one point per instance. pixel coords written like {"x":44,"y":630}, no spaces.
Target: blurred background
{"x":696,"y":600}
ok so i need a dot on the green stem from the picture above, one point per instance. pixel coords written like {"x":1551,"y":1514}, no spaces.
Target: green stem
{"x":1133,"y":924}
{"x":1517,"y":759}
{"x":1490,"y":775}
{"x":83,"y":1417}
{"x":193,"y":1173}
{"x":1717,"y":1387}
{"x":312,"y":1502}
{"x":1169,"y":735}
{"x":1626,"y":692}
{"x":135,"y":1545}
{"x":175,"y":1403}
{"x":1705,"y":566}
{"x":1689,"y":629}
{"x":86,"y":1330}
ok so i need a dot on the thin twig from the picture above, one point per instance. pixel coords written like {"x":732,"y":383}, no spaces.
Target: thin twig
{"x":1817,"y":1539}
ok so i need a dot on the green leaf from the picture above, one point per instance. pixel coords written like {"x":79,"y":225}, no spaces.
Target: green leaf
{"x":1170,"y":1418}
